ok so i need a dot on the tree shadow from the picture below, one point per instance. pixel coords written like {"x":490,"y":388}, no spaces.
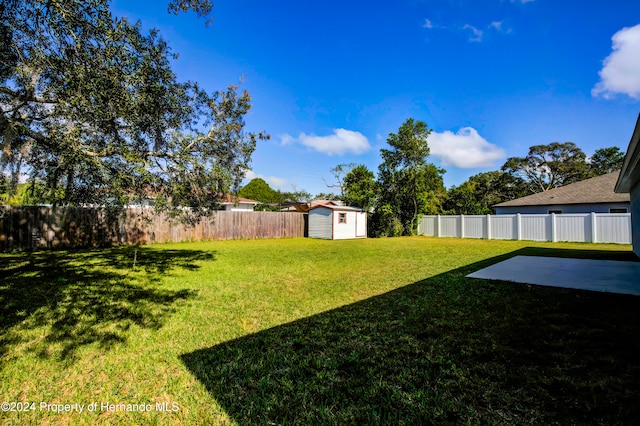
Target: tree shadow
{"x":445,"y":350}
{"x":86,"y":296}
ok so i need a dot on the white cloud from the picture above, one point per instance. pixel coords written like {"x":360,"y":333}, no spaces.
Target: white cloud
{"x":499,"y":27}
{"x":271,"y":180}
{"x":477,"y":34}
{"x":427,"y":24}
{"x":621,"y":70}
{"x":465,"y":149}
{"x":521,"y":1}
{"x":341,"y":142}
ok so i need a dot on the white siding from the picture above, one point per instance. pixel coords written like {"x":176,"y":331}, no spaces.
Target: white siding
{"x":361,"y":225}
{"x":346,"y":230}
{"x":320,"y":223}
{"x":635,"y":218}
{"x":241,"y":207}
{"x":324,"y":222}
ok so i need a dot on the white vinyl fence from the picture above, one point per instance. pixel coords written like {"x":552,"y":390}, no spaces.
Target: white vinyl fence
{"x":582,"y":227}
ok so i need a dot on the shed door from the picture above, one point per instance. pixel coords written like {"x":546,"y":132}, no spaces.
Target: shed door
{"x":361,"y":224}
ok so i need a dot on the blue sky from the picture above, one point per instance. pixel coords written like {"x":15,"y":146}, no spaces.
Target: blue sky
{"x":330,"y":80}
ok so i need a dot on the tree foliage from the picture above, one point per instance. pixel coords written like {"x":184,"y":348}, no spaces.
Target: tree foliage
{"x":409,"y":185}
{"x":606,"y":160}
{"x":201,"y":7}
{"x":549,"y":166}
{"x":339,"y":172}
{"x":327,"y":196}
{"x":480,"y":192}
{"x":91,"y":110}
{"x":297,"y":196}
{"x":259,"y":190}
{"x":360,"y":187}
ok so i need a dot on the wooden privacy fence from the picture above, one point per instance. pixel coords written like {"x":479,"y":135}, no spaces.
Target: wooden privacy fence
{"x":27,"y":228}
{"x":582,"y":227}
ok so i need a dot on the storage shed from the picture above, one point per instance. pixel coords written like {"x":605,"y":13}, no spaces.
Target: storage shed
{"x":337,"y":222}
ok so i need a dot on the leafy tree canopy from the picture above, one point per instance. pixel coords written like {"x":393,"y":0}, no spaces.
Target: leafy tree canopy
{"x":259,"y":190}
{"x":360,"y":187}
{"x":548,"y":166}
{"x":606,"y":160}
{"x":327,"y":196}
{"x":481,"y":191}
{"x":297,"y":196}
{"x":409,"y":185}
{"x":91,"y":110}
{"x":338,"y":173}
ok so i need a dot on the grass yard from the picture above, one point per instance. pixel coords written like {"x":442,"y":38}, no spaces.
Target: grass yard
{"x":301,"y":331}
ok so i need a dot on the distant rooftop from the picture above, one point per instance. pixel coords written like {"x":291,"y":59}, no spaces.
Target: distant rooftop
{"x":232,"y":199}
{"x":596,"y":190}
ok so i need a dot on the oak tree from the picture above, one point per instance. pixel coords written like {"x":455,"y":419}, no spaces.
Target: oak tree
{"x":92,"y":112}
{"x":549,"y":166}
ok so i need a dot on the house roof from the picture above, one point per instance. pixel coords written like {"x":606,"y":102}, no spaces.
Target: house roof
{"x":630,"y":173}
{"x":316,"y":203}
{"x":231,"y":199}
{"x":305,"y":207}
{"x":596,"y":190}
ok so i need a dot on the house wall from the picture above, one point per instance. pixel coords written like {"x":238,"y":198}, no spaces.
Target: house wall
{"x":566,"y":208}
{"x":361,"y":225}
{"x":635,"y":219}
{"x":320,"y":221}
{"x":241,"y":207}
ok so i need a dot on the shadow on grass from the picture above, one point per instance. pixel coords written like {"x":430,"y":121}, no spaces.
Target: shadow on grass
{"x":83,"y":297}
{"x":445,"y":350}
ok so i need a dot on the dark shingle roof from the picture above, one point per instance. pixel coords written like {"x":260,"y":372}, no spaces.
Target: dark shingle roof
{"x":589,"y":191}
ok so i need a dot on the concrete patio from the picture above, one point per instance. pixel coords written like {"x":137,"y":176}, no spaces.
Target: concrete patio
{"x":610,"y":276}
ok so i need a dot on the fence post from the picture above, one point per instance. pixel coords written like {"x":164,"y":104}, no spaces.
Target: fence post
{"x":518,"y":227}
{"x":488,"y":227}
{"x":461,"y":226}
{"x":554,"y":233}
{"x":438,"y":226}
{"x":594,"y":230}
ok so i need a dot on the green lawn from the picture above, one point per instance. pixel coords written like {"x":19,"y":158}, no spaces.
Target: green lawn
{"x":301,"y":331}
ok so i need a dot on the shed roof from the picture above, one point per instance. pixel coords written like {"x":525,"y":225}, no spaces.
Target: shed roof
{"x":305,"y":207}
{"x":630,"y":174}
{"x":337,"y":208}
{"x":596,"y":190}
